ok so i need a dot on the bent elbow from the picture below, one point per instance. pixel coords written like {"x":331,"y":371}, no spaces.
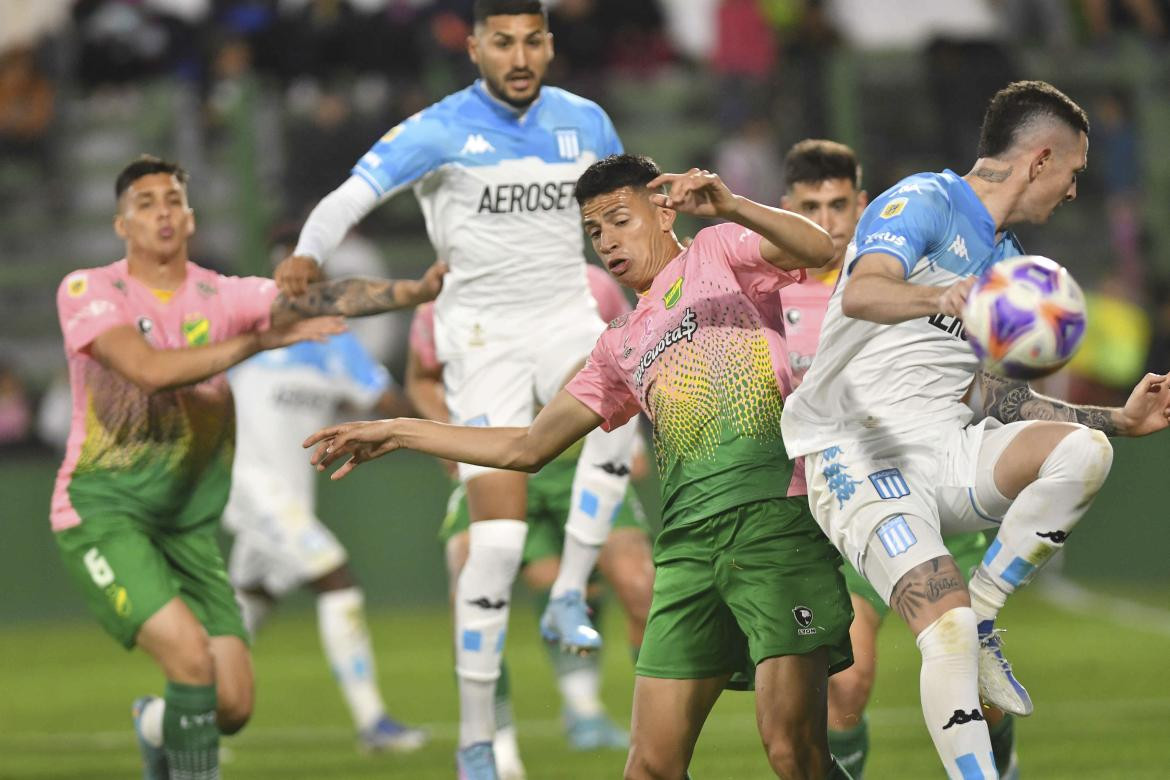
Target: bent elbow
{"x":850,"y":306}
{"x":823,"y":254}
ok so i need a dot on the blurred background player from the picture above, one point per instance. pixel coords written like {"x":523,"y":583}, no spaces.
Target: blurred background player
{"x":280,"y":545}
{"x":625,"y":558}
{"x":823,"y":182}
{"x":147,"y":467}
{"x":493,"y":167}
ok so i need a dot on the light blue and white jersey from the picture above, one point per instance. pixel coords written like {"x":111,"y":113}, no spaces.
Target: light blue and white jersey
{"x":283,"y":395}
{"x":870,"y":380}
{"x":496,"y":189}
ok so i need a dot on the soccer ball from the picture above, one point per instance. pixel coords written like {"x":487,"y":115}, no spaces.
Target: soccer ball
{"x":1025,"y":317}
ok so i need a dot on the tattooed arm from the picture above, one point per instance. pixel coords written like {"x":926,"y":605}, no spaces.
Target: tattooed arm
{"x":1147,"y":410}
{"x":358,"y":297}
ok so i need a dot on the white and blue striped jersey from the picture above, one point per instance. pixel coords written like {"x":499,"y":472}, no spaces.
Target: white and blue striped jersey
{"x":869,"y":380}
{"x":283,"y":395}
{"x":496,"y":189}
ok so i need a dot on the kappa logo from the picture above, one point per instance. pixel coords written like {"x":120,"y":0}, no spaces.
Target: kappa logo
{"x":908,"y":188}
{"x":476,"y":144}
{"x":205,"y":289}
{"x":483,"y":602}
{"x":894,"y":208}
{"x":614,"y":469}
{"x":958,"y":247}
{"x":1057,"y":537}
{"x":804,"y":618}
{"x":960,"y":718}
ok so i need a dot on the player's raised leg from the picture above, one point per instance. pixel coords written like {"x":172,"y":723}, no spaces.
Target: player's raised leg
{"x":1050,"y":473}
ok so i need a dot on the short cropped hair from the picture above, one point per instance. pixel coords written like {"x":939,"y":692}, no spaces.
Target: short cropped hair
{"x":1019,"y":105}
{"x":611,"y":173}
{"x":485,"y":8}
{"x":145,"y":166}
{"x":814,"y":160}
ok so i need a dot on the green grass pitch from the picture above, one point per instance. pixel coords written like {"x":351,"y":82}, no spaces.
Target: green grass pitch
{"x":1100,"y":686}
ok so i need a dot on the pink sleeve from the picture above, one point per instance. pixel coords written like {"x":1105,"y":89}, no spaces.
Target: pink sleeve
{"x":249,"y":300}
{"x":422,"y":337}
{"x":611,"y":301}
{"x":600,"y":387}
{"x":87,"y":306}
{"x":758,"y":278}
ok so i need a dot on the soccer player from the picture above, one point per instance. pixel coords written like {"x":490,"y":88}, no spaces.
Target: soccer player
{"x":745,"y":581}
{"x":625,"y":559}
{"x":280,"y":545}
{"x":148,"y":461}
{"x":493,"y":167}
{"x":823,"y":181}
{"x":891,"y":460}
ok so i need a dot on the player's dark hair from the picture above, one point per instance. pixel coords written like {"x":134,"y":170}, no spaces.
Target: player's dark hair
{"x":1017,"y":106}
{"x":814,"y":160}
{"x":485,"y":8}
{"x":614,"y":172}
{"x":145,"y":166}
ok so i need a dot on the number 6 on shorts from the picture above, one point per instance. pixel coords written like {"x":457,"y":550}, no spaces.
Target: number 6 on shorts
{"x":99,"y":571}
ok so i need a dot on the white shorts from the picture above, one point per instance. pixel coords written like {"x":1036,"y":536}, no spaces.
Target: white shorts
{"x":496,"y":371}
{"x":280,"y":544}
{"x":887,"y":504}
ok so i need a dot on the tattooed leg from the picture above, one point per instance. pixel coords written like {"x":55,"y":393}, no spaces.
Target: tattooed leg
{"x":927,"y":591}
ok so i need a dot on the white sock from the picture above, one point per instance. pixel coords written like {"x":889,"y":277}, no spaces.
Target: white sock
{"x":603,"y":472}
{"x":1039,"y":520}
{"x":254,"y":609}
{"x":482,"y":597}
{"x":507,"y":751}
{"x":949,"y":685}
{"x":580,"y":689}
{"x":150,"y":722}
{"x":341,"y":621}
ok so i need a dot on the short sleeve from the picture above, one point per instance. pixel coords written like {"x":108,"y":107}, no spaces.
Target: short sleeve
{"x":248,"y":300}
{"x":361,"y":379}
{"x":740,"y":247}
{"x":422,"y":337}
{"x":88,"y":305}
{"x":611,"y":301}
{"x":610,"y":143}
{"x":599,"y":386}
{"x":905,"y":221}
{"x":404,"y":155}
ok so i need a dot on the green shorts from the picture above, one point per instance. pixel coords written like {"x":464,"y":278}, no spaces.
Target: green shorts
{"x":128,"y":570}
{"x":549,"y":495}
{"x":753,"y":582}
{"x":966,"y":549}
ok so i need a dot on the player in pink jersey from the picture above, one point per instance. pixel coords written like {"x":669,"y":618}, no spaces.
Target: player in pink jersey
{"x":148,"y":462}
{"x":745,"y":582}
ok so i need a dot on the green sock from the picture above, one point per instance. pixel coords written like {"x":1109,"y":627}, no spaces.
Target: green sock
{"x":190,"y":734}
{"x":1003,"y":742}
{"x":503,"y":697}
{"x":850,"y":748}
{"x":838,"y":772}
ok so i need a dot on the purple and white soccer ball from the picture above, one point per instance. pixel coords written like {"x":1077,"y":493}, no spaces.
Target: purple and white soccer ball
{"x":1025,"y":317}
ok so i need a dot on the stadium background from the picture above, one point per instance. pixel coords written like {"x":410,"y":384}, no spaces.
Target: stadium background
{"x":268,"y":104}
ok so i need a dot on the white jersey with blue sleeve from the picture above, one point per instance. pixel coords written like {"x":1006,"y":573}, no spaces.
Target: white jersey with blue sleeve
{"x":496,"y":190}
{"x":870,"y":380}
{"x":283,"y":395}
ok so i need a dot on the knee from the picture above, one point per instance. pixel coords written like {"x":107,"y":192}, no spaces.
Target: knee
{"x":190,"y":661}
{"x":849,"y":693}
{"x":643,"y":764}
{"x":797,"y":755}
{"x":1085,"y":455}
{"x":233,"y":709}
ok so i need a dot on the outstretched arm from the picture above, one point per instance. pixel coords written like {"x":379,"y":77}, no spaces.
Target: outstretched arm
{"x":878,"y":291}
{"x":359,"y":297}
{"x":790,"y":241}
{"x":1146,"y":411}
{"x":558,"y":425}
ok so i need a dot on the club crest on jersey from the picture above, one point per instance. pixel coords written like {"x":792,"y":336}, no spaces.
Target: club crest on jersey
{"x":896,"y":536}
{"x":77,"y":285}
{"x":685,"y":330}
{"x":476,"y":144}
{"x":674,"y":294}
{"x":804,"y":618}
{"x":894,"y":208}
{"x":568,"y":143}
{"x":889,"y":484}
{"x":197,"y":330}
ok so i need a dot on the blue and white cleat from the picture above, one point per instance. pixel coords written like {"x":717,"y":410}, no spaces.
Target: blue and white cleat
{"x":566,"y":622}
{"x":477,"y":761}
{"x":154,"y":759}
{"x":596,"y":732}
{"x":390,"y":735}
{"x":997,"y":685}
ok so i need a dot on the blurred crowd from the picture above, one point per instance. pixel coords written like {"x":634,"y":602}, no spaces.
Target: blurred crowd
{"x":343,"y":71}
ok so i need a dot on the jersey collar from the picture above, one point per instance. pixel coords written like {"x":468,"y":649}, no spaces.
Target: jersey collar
{"x":972,"y":206}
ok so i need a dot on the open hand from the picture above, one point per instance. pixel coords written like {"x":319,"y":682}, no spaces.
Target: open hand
{"x":1148,"y":408}
{"x":954,"y":298}
{"x":428,"y":287}
{"x":311,"y":329}
{"x":295,"y":273}
{"x":361,"y":441}
{"x":697,"y":192}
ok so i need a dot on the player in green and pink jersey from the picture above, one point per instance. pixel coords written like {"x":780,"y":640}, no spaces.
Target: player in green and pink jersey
{"x":148,"y":462}
{"x":746,"y":585}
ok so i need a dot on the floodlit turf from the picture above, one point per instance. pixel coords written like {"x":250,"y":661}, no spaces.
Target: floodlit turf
{"x":1101,"y":692}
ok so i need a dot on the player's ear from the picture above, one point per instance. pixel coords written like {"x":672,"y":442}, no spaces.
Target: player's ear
{"x":120,"y":225}
{"x":473,"y":47}
{"x":190,"y":222}
{"x":665,"y":217}
{"x":785,"y":203}
{"x":552,"y":50}
{"x":862,"y":200}
{"x":1039,"y":162}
